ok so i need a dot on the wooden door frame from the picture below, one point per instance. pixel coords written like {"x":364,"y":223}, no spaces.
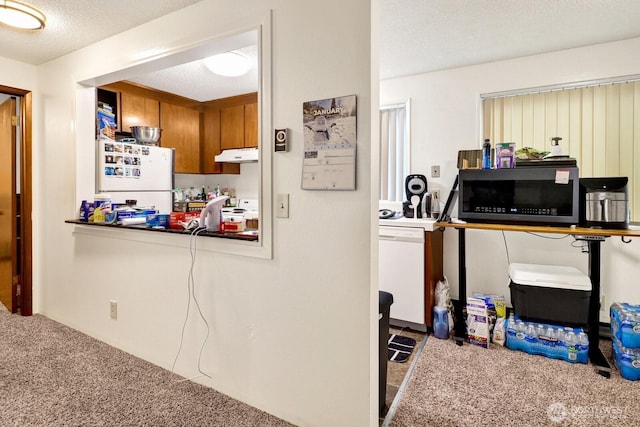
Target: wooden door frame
{"x":26,"y":197}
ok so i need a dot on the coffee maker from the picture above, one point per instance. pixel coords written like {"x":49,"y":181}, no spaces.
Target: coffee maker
{"x":415,"y":187}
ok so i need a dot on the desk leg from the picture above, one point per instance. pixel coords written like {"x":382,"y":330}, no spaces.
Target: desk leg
{"x":595,"y":355}
{"x":460,"y":325}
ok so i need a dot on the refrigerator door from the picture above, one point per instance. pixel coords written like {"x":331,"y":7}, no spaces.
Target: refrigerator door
{"x":133,"y":167}
{"x":135,"y":172}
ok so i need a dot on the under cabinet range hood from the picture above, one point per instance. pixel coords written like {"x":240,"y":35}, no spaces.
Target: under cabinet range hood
{"x":238,"y":155}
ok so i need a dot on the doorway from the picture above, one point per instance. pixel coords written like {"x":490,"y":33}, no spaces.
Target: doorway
{"x":15,"y":200}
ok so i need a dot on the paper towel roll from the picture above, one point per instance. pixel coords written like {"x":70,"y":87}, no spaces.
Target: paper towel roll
{"x":134,"y":221}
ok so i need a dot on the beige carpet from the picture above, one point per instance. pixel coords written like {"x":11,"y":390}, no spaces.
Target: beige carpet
{"x":472,"y":386}
{"x":51,"y":375}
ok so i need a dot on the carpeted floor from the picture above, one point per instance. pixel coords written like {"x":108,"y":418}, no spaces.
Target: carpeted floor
{"x":472,"y":386}
{"x":51,"y":375}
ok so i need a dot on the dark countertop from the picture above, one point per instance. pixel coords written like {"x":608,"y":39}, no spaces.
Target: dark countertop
{"x":141,"y":227}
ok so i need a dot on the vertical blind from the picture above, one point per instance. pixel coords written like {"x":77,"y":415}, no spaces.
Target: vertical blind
{"x":394,"y":152}
{"x":599,"y":127}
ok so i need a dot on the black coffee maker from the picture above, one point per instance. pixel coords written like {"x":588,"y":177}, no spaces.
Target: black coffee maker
{"x":415,"y":185}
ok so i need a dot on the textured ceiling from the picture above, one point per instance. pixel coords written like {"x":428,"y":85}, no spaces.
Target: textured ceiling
{"x":419,"y":36}
{"x":193,"y":80}
{"x":73,"y":24}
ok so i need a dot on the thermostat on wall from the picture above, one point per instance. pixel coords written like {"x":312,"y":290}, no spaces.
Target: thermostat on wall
{"x":280,"y":140}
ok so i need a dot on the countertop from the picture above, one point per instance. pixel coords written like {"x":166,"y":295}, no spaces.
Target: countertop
{"x":426,"y":224}
{"x":236,"y":236}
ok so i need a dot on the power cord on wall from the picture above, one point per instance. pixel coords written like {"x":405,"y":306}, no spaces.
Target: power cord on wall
{"x":192,"y":294}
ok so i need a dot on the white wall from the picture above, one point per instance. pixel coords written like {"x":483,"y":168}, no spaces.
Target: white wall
{"x":290,"y":335}
{"x":446,"y":118}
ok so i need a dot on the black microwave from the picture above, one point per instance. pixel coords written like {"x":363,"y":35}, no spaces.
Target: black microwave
{"x":535,"y":195}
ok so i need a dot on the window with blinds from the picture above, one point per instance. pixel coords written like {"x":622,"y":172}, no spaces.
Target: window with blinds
{"x":599,"y":126}
{"x":394,"y":151}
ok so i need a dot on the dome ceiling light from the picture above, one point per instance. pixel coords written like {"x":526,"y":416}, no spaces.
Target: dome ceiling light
{"x":20,"y":15}
{"x":228,"y":64}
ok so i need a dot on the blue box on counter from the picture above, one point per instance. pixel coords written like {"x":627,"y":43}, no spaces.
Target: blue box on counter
{"x":625,"y":324}
{"x":158,"y":220}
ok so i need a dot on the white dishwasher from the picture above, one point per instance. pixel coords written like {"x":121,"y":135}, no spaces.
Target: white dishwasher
{"x":401,"y":272}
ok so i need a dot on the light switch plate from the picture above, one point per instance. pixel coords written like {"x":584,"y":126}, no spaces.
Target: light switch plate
{"x":282,"y":206}
{"x":435,"y":171}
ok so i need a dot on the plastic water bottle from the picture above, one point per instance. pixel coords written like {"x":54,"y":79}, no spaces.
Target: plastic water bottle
{"x":531,"y":337}
{"x":540,"y":333}
{"x":486,"y":154}
{"x":571,"y":340}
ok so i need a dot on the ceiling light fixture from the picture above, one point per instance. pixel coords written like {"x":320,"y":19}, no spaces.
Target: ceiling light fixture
{"x":20,"y":15}
{"x":228,"y":64}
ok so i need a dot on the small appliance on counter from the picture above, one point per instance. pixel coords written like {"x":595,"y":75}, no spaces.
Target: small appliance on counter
{"x":418,"y":204}
{"x":604,"y":202}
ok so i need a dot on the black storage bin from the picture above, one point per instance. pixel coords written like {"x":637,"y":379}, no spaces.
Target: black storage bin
{"x":550,"y":294}
{"x":385,"y":301}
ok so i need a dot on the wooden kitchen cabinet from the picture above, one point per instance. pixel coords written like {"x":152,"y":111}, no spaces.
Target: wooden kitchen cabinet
{"x":232,"y":127}
{"x":238,"y":121}
{"x":138,"y":110}
{"x":181,"y":130}
{"x":211,"y":145}
{"x":198,"y":131}
{"x":251,"y":125}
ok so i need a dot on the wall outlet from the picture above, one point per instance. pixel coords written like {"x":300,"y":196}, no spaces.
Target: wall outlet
{"x":435,"y":171}
{"x":114,"y":309}
{"x":436,"y":194}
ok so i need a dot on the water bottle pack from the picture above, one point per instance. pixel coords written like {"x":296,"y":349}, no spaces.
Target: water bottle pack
{"x":625,"y":328}
{"x":627,"y":360}
{"x":553,"y":341}
{"x":625,"y":324}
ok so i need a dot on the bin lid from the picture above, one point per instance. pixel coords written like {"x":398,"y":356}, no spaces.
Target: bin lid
{"x":385,"y":299}
{"x":549,"y":276}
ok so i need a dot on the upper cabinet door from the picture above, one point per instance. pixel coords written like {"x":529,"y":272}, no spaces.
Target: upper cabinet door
{"x":138,"y":111}
{"x":251,"y":125}
{"x":181,"y":130}
{"x":232,"y":127}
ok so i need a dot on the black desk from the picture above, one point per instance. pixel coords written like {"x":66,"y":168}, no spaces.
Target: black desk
{"x":592,"y":236}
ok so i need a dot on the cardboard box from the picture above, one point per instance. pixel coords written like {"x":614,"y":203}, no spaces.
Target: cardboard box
{"x":196,"y":206}
{"x":477,"y":322}
{"x":175,"y":218}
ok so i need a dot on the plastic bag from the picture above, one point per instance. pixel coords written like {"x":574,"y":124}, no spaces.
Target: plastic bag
{"x":441,"y":296}
{"x":499,"y":331}
{"x":443,"y":299}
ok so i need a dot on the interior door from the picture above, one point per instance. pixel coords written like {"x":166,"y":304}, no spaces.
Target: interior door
{"x":8,"y":249}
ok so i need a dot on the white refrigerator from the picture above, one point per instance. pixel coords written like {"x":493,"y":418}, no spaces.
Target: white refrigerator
{"x":136,"y":172}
